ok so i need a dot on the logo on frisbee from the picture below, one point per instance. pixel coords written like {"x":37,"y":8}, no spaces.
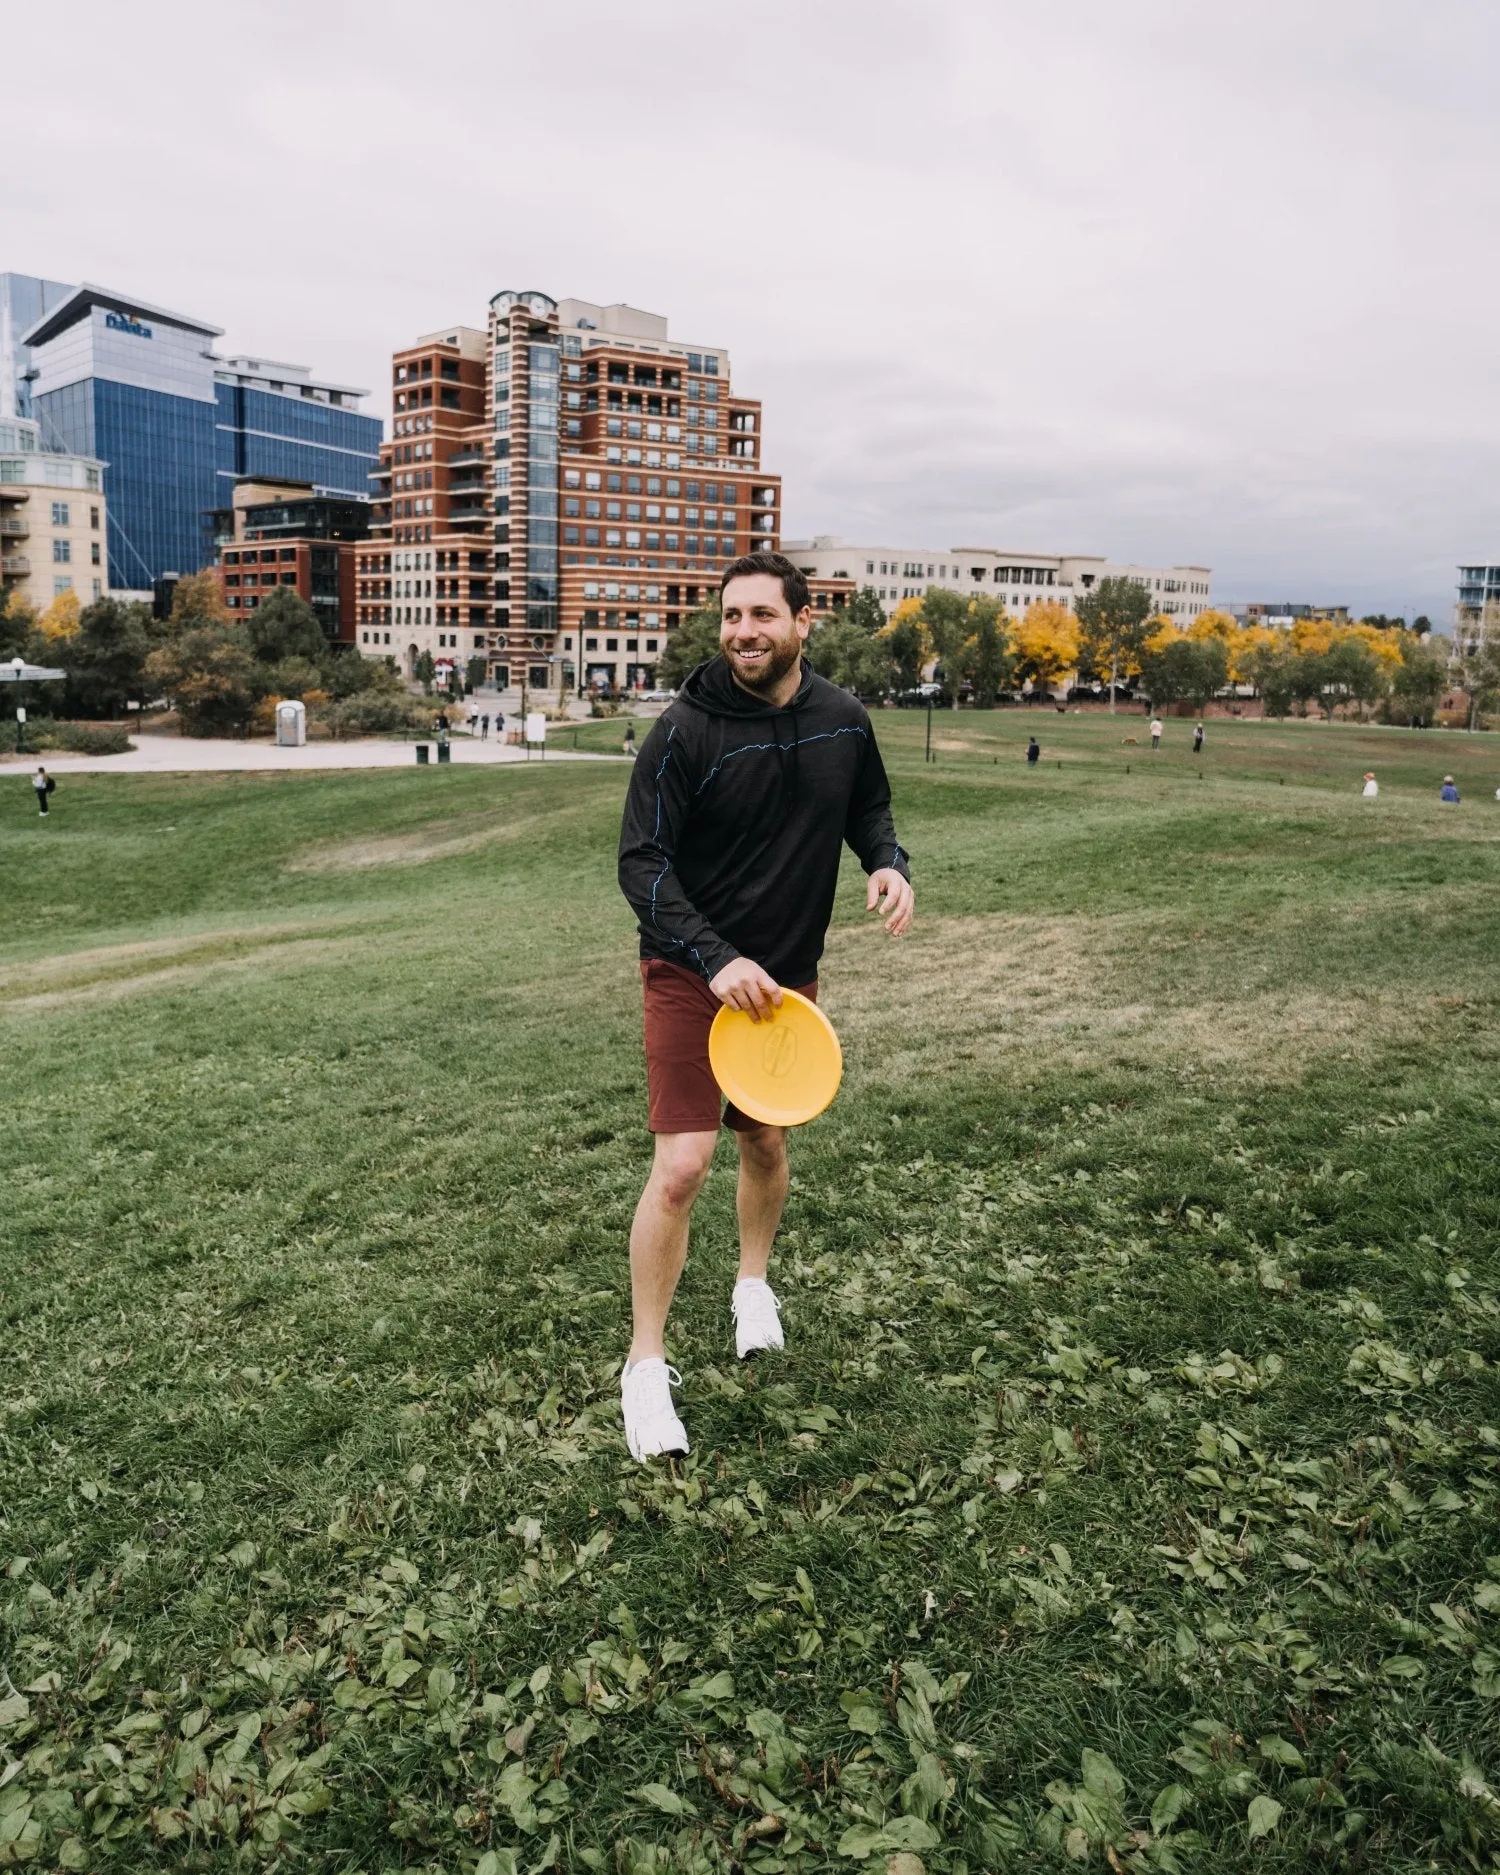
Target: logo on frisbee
{"x":778,"y":1053}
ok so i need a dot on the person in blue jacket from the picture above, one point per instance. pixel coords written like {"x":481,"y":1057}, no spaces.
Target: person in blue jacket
{"x":1450,"y":789}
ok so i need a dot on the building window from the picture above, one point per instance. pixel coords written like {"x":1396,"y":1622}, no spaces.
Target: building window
{"x":61,"y":584}
{"x":93,"y":517}
{"x":60,"y":514}
{"x":62,"y":550}
{"x":94,"y":552}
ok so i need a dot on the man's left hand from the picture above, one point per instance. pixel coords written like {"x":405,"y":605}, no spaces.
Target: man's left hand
{"x":900,"y":900}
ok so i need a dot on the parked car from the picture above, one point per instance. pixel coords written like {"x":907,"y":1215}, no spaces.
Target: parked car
{"x":659,"y":696}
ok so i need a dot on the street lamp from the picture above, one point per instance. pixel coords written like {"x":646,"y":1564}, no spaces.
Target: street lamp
{"x":18,"y":664}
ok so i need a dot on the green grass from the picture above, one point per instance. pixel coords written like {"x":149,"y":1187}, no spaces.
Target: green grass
{"x":1127,"y":1494}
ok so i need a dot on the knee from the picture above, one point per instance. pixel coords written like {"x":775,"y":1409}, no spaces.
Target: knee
{"x":764,"y":1149}
{"x":680,"y":1176}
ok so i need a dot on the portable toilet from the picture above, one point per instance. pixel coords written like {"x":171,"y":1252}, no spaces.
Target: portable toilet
{"x":291,"y":724}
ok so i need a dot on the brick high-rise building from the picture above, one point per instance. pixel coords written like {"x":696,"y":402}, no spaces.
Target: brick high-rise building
{"x":610,"y":474}
{"x":424,"y":577}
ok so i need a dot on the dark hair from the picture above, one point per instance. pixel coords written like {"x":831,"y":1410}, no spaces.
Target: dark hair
{"x":793,"y":584}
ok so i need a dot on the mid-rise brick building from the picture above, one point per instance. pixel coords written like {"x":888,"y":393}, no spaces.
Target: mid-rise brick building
{"x":561,"y":493}
{"x":279,"y":533}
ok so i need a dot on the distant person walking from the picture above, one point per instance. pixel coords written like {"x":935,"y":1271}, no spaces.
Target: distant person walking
{"x":484,"y":729}
{"x":1371,"y":789}
{"x":629,"y":739}
{"x":1450,"y":790}
{"x":44,"y":784}
{"x":1033,"y":752}
{"x":1198,"y":740}
{"x":1156,"y":732}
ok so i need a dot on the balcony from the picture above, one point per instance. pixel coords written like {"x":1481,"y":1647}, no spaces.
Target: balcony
{"x":466,"y":457}
{"x":14,"y":526}
{"x":15,"y":566}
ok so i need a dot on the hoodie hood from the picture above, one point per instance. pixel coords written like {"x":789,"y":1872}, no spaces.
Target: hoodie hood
{"x":711,"y":688}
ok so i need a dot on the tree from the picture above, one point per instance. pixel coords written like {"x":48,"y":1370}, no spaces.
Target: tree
{"x":198,"y":599}
{"x":1177,"y":668}
{"x":1045,"y":643}
{"x":1352,"y":670}
{"x":950,"y":631}
{"x":1112,"y":627}
{"x":17,"y":625}
{"x":841,"y":649}
{"x":865,"y":610}
{"x":106,"y":658}
{"x":906,"y":639}
{"x":210,"y":678}
{"x":425,"y":671}
{"x":477,"y":669}
{"x":1269,"y":666}
{"x":61,"y":619}
{"x":1479,"y":676}
{"x":994,"y":658}
{"x":1419,"y":683}
{"x":1422,"y":625}
{"x":284,"y":626}
{"x":695,"y":640}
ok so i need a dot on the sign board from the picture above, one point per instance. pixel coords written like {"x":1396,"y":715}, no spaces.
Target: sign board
{"x":536,"y":726}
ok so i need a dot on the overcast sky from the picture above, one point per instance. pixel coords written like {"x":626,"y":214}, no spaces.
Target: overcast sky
{"x":1168,"y":280}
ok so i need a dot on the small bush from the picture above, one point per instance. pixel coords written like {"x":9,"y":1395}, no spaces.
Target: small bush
{"x":92,"y":739}
{"x":374,"y":713}
{"x":45,"y":732}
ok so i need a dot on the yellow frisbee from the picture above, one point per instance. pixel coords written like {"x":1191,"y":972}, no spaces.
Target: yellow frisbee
{"x":782,"y":1070}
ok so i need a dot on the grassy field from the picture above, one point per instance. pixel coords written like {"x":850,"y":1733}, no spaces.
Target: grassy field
{"x":1126,"y":1497}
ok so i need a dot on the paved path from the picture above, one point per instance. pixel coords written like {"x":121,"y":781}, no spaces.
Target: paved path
{"x":185,"y":755}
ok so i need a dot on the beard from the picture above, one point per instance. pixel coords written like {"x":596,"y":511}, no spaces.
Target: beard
{"x":769,"y":670}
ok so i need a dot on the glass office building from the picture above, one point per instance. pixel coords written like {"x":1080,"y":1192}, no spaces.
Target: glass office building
{"x":24,"y":299}
{"x":276,"y":422}
{"x":142,"y":389}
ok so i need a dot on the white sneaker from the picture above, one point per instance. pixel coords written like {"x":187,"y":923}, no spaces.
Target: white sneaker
{"x":652,"y":1428}
{"x":757,"y":1317}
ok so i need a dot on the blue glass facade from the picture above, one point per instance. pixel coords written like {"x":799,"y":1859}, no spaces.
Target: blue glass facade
{"x":158,"y":452}
{"x":295,"y":438}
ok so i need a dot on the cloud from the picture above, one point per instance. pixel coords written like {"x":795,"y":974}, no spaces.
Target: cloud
{"x":1143,"y":277}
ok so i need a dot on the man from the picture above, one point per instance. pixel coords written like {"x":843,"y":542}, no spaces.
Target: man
{"x":44,"y":784}
{"x":1198,"y":740}
{"x":740,"y":801}
{"x":1033,"y":752}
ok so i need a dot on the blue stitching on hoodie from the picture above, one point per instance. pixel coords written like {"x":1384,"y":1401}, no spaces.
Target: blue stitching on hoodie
{"x":784,"y":748}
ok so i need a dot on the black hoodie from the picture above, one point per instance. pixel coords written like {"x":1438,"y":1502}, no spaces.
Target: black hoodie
{"x":735,"y":818}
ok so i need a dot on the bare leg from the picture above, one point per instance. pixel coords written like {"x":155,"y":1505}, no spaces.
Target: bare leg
{"x":760,"y":1197}
{"x":659,"y":1235}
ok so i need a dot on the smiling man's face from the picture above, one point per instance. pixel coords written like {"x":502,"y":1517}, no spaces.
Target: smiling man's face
{"x":760,"y":637}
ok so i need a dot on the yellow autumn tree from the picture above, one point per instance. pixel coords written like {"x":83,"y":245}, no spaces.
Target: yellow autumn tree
{"x":1045,"y":642}
{"x":61,"y":618}
{"x":199,"y":599}
{"x":1384,"y":644}
{"x":1212,"y":624}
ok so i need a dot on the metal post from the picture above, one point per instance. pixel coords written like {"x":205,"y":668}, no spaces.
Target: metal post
{"x":927,"y":753}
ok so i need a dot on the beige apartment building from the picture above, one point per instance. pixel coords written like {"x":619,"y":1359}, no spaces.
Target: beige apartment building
{"x":1017,"y":580}
{"x":52,"y":520}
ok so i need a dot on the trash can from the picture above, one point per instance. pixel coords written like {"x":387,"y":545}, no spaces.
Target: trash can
{"x":421,"y":755}
{"x":445,"y":754}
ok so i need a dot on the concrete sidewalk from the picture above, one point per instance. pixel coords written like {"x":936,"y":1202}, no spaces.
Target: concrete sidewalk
{"x":192,"y":755}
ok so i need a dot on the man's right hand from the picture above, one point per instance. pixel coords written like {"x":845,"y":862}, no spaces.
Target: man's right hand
{"x":744,"y":985}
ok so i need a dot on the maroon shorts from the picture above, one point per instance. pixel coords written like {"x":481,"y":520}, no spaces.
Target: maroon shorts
{"x":680,"y":1010}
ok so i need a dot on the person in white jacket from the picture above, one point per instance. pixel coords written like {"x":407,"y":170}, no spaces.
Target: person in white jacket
{"x":1371,"y":788}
